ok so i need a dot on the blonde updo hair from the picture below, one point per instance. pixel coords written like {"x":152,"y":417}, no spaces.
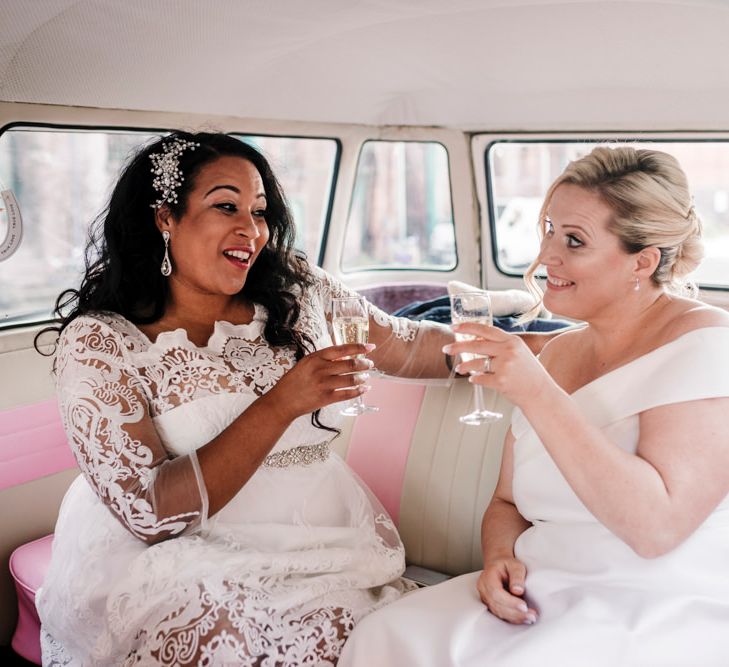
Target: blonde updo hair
{"x":648,"y":193}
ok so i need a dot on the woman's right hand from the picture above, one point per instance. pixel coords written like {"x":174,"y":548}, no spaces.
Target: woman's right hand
{"x":320,"y":378}
{"x":501,"y":588}
{"x":513,"y":370}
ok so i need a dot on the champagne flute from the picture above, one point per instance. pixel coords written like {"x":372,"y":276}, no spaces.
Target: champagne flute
{"x":351,"y":324}
{"x":473,"y":307}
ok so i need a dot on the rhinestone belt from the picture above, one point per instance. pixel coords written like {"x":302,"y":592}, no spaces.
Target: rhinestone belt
{"x":303,"y":455}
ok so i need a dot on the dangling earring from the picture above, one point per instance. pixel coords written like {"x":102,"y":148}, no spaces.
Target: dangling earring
{"x":166,"y":267}
{"x":637,"y":285}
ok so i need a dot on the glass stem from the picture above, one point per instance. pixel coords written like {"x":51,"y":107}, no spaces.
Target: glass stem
{"x":478,"y":398}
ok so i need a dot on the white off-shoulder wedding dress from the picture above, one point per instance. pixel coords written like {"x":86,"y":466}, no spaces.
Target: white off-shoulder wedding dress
{"x":599,"y":603}
{"x":140,"y":575}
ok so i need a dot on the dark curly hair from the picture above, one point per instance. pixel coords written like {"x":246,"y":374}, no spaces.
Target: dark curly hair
{"x":125,"y":248}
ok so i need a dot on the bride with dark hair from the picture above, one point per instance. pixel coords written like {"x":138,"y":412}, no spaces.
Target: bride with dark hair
{"x":196,"y":379}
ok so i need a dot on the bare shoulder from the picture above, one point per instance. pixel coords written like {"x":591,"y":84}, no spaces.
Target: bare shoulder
{"x":689,"y":315}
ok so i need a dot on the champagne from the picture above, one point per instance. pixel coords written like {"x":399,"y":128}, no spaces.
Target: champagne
{"x":351,"y":324}
{"x":350,"y":330}
{"x":469,"y":356}
{"x":473,"y":306}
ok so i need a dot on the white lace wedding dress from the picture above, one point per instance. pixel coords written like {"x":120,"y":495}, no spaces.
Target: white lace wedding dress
{"x":140,"y":575}
{"x":599,"y":603}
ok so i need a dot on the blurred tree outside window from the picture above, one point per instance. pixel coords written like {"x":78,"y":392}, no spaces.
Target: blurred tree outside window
{"x":62,"y":180}
{"x":401,"y":215}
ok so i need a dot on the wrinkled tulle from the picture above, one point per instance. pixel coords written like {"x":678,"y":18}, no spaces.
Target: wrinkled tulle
{"x":320,"y":545}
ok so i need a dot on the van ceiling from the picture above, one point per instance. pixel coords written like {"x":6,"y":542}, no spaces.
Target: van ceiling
{"x":473,"y":64}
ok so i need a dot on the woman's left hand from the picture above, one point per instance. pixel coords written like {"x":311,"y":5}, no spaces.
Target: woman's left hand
{"x":511,"y":369}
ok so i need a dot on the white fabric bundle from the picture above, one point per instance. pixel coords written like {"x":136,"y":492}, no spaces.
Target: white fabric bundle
{"x":503,"y":302}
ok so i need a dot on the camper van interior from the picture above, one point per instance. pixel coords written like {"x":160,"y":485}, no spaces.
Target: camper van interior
{"x":415,"y":141}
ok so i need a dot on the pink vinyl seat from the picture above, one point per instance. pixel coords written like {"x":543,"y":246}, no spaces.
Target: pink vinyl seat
{"x":32,"y":445}
{"x":28,"y":566}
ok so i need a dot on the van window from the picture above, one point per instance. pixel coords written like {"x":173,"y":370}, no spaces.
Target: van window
{"x":520,"y":172}
{"x":62,"y":179}
{"x":401,"y":215}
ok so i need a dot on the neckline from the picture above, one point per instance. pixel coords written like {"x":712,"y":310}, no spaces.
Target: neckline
{"x":642,"y":357}
{"x":258,"y":316}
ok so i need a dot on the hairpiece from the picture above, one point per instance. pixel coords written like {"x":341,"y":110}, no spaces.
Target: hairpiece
{"x":166,"y":170}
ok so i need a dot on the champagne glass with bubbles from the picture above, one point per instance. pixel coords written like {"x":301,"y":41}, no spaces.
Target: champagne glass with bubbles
{"x":351,"y":324}
{"x":473,"y":307}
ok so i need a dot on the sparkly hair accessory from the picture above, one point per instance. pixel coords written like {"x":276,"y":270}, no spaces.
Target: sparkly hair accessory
{"x":166,"y":170}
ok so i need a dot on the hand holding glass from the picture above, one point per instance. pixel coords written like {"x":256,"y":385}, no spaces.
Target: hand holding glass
{"x":473,"y":307}
{"x":351,"y":324}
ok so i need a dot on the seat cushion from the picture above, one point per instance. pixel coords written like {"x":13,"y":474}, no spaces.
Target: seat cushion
{"x":29,"y":563}
{"x":28,"y":566}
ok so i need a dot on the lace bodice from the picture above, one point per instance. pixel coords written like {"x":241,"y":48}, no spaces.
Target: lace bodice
{"x":116,"y":386}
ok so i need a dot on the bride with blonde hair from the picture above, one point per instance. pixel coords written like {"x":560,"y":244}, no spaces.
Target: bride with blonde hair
{"x":607,"y":539}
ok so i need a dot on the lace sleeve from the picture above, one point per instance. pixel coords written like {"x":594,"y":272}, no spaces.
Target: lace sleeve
{"x":404,"y":348}
{"x":106,"y":416}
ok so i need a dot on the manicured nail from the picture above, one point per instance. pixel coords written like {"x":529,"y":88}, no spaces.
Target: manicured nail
{"x":370,"y":346}
{"x":447,"y":349}
{"x":522,"y":606}
{"x":517,"y":589}
{"x":530,"y":618}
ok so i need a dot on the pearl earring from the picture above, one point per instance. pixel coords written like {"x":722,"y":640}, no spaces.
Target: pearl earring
{"x":637,"y":285}
{"x":166,"y":267}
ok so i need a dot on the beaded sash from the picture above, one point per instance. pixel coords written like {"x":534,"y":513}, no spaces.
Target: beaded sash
{"x":303,"y":455}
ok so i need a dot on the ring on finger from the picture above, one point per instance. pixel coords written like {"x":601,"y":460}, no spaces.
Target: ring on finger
{"x":487,"y":365}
